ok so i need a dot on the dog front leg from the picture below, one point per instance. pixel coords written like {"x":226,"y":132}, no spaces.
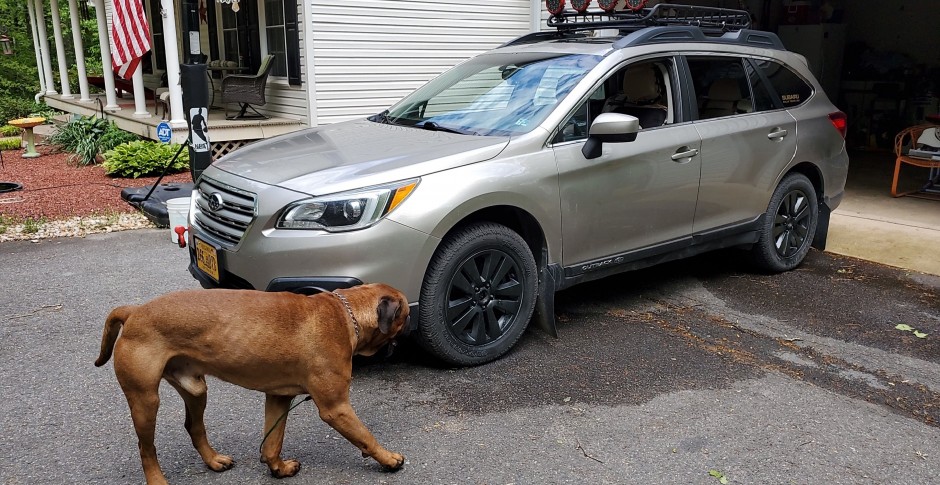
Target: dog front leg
{"x":276,"y":407}
{"x":336,"y":411}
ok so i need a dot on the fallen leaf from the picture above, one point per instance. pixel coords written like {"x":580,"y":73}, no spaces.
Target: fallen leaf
{"x":920,"y":334}
{"x":904,"y":327}
{"x":722,"y":479}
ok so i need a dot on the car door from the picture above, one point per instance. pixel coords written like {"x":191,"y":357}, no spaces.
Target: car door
{"x":747,"y":140}
{"x":636,"y":195}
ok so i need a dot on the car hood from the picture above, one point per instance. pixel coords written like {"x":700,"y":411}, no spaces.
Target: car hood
{"x":355,"y":154}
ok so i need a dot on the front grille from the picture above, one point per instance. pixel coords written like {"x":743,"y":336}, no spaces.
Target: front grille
{"x":229,"y":222}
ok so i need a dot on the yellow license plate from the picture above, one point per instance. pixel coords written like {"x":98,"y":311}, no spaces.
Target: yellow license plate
{"x":206,"y":259}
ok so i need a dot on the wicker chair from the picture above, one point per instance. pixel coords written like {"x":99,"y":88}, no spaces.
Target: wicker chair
{"x":908,"y":137}
{"x":246,"y":90}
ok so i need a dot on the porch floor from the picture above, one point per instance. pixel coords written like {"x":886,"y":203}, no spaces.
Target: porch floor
{"x":224,"y":135}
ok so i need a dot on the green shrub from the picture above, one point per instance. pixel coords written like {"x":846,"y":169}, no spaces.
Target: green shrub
{"x":10,"y":143}
{"x":142,"y":158}
{"x":12,"y":108}
{"x":115,"y":136}
{"x":88,"y":136}
{"x":9,"y":130}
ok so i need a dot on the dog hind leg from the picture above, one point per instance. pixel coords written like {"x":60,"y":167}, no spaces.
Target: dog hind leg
{"x":336,"y":411}
{"x":140,"y":382}
{"x":195,"y":424}
{"x":275,"y":408}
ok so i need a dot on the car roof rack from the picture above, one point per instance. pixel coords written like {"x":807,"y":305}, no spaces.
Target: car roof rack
{"x":711,"y":20}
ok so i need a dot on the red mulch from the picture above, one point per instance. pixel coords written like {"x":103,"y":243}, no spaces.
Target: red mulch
{"x":55,"y":188}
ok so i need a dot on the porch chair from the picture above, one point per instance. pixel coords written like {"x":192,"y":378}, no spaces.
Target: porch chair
{"x":246,"y":90}
{"x":907,"y":138}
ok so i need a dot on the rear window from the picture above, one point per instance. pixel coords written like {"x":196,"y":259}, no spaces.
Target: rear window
{"x":789,"y":86}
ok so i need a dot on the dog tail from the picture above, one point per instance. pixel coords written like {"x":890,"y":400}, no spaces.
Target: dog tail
{"x":112,"y":326}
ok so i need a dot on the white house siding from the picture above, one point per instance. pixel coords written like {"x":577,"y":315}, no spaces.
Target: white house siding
{"x":370,"y":53}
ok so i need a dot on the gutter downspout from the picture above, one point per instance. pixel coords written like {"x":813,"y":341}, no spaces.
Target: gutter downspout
{"x":32,"y":28}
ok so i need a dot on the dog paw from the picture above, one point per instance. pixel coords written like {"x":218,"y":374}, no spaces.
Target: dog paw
{"x":286,"y":468}
{"x":220,"y":463}
{"x":396,"y":462}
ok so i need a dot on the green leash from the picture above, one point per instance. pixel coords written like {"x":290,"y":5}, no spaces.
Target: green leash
{"x":291,"y":408}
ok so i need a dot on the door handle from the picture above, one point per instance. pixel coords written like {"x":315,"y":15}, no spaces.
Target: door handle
{"x":686,"y":153}
{"x":777,"y":134}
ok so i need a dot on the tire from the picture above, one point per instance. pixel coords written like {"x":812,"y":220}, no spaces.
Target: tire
{"x":789,"y":225}
{"x":478,"y":295}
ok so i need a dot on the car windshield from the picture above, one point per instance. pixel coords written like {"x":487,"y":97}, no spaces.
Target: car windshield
{"x":493,"y":94}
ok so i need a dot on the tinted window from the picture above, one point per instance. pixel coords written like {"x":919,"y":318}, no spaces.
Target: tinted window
{"x":789,"y":86}
{"x":722,"y":87}
{"x":763,"y":100}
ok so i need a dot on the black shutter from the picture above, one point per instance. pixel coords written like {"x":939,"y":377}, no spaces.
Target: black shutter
{"x":213,"y":26}
{"x":251,"y":44}
{"x":293,"y":42}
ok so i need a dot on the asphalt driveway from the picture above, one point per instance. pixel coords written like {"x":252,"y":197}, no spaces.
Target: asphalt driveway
{"x":659,"y":376}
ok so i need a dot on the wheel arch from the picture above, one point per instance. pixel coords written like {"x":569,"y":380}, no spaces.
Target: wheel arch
{"x":515,"y":218}
{"x":815,"y":176}
{"x":812,"y":172}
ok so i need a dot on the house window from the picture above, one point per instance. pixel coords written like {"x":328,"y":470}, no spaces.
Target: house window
{"x":230,"y":50}
{"x":158,"y":49}
{"x":275,"y":35}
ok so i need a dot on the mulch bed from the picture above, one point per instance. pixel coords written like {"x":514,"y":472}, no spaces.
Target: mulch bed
{"x":55,"y":188}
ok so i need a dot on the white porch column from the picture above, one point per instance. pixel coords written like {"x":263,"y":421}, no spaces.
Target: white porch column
{"x":140,"y":98}
{"x":60,"y":48}
{"x":32,"y":25}
{"x":44,"y":43}
{"x":172,"y":62}
{"x":79,"y":52}
{"x":106,"y":71}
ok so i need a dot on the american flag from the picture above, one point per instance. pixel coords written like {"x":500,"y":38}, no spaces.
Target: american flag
{"x":130,"y":36}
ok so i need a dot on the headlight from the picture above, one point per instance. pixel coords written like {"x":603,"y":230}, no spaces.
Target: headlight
{"x":346,"y":211}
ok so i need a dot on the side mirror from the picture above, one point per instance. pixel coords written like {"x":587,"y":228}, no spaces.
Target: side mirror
{"x":610,"y":128}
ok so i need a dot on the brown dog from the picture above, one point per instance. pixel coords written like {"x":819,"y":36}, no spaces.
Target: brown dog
{"x":281,"y":344}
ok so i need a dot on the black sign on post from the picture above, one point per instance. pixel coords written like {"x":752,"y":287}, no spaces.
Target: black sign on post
{"x":194,"y":84}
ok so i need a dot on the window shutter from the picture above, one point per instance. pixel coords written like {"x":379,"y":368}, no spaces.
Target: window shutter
{"x":293,"y":42}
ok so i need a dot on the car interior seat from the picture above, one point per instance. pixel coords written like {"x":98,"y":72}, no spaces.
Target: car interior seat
{"x":641,"y":97}
{"x":724,"y":99}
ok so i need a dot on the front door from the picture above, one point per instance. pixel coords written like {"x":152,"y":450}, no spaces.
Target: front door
{"x":636,"y":195}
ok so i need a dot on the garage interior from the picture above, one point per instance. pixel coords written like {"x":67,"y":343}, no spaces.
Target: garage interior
{"x":879,"y":62}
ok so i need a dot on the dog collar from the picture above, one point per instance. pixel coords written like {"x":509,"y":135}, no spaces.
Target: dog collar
{"x":350,"y":312}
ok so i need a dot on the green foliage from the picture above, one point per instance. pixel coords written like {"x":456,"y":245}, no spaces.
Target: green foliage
{"x":113,"y":137}
{"x":11,"y":143}
{"x":12,"y":108}
{"x":142,"y":158}
{"x":88,"y":136}
{"x":45,"y":111}
{"x":9,"y":130}
{"x":32,"y":226}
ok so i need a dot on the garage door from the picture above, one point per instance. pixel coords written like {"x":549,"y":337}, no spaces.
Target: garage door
{"x":370,"y":53}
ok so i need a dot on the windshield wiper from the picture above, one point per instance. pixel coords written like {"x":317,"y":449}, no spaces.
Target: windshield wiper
{"x":382,"y":118}
{"x":430,"y":125}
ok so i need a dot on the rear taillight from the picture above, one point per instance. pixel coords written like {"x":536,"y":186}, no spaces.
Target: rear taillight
{"x":838,"y":120}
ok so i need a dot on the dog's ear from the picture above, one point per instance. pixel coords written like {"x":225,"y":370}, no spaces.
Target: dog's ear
{"x":387,"y":310}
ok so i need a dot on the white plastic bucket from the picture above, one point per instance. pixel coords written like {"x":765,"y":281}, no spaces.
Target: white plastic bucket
{"x":178,"y":210}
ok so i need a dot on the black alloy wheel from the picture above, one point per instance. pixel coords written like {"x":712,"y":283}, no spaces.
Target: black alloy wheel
{"x":789,"y":225}
{"x":484,"y":297}
{"x":478,"y":295}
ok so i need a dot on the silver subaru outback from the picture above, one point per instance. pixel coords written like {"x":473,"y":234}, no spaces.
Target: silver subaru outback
{"x":618,"y":141}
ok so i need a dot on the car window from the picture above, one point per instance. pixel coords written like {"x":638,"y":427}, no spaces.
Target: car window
{"x":763,"y":100}
{"x":788,"y":85}
{"x":494,"y":94}
{"x":721,"y":86}
{"x":643,"y":90}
